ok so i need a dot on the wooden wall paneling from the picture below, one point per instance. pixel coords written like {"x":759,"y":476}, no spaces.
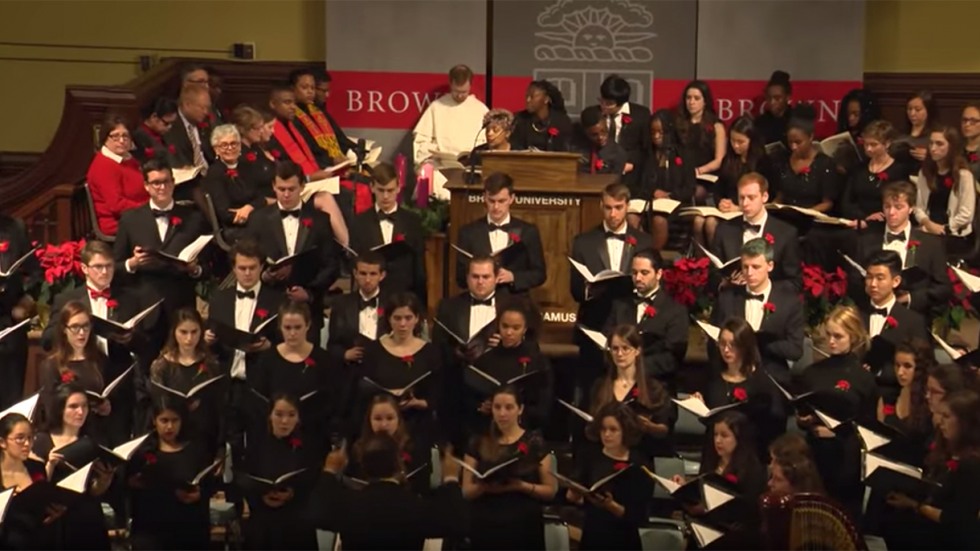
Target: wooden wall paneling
{"x":951,"y":91}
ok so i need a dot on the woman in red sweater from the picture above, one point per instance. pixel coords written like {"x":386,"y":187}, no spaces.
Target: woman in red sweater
{"x":114,"y":176}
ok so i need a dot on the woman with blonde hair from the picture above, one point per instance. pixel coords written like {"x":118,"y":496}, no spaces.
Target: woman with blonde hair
{"x":845,"y":391}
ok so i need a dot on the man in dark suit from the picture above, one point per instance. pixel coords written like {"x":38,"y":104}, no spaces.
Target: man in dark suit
{"x":398,"y":229}
{"x":609,"y":246}
{"x":600,"y":154}
{"x":915,"y":247}
{"x":14,"y":245}
{"x":881,"y":316}
{"x":385,"y":514}
{"x":190,"y":133}
{"x":628,"y":122}
{"x":289,"y":228}
{"x":158,"y":118}
{"x":516,"y":243}
{"x":663,"y":323}
{"x":753,"y":194}
{"x":160,"y":225}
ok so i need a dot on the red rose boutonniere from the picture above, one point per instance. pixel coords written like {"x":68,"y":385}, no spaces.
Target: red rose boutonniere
{"x":410,"y":359}
{"x":731,"y":478}
{"x":148,"y":152}
{"x":307,"y":222}
{"x":620,"y":466}
{"x":635,"y":393}
{"x":678,"y":161}
{"x":202,"y":369}
{"x":308,"y":363}
{"x":552,"y":131}
{"x":406,"y":457}
{"x":843,"y":385}
{"x":150,"y":458}
{"x":4,"y":246}
{"x":261,"y":313}
{"x":882,"y":176}
{"x":626,"y":119}
{"x":740,"y":394}
{"x":768,"y":308}
{"x":522,"y":447}
{"x":599,"y":165}
{"x":805,"y":170}
{"x":381,"y":312}
{"x":524,"y":360}
{"x":67,"y":377}
{"x":231,"y":173}
{"x":275,"y":153}
{"x":972,"y":157}
{"x":251,"y":156}
{"x":112,"y":304}
{"x":295,"y":442}
{"x":770,"y":239}
{"x":913,"y":245}
{"x":888,"y":409}
{"x":891,"y":322}
{"x":176,"y":221}
{"x":514,"y":237}
{"x":630,"y":240}
{"x":948,"y":182}
{"x":952,"y":465}
{"x":38,"y":477}
{"x":398,"y":237}
{"x":649,"y":311}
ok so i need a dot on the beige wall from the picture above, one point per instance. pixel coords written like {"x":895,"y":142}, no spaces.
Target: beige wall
{"x":32,"y":93}
{"x":928,"y":36}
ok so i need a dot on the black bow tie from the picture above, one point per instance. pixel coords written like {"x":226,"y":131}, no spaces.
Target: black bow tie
{"x":157,"y":213}
{"x":287,"y":213}
{"x":644,"y":300}
{"x":477,"y":302}
{"x":889,"y":237}
{"x":369,"y":303}
{"x":389,"y":216}
{"x":883,"y":312}
{"x":500,"y":227}
{"x":755,"y":228}
{"x":245,"y":294}
{"x":620,"y":236}
{"x":760,"y":297}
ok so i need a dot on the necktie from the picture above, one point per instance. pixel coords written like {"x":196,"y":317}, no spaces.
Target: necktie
{"x":369,"y":303}
{"x":883,"y":312}
{"x":160,"y":213}
{"x":287,"y":213}
{"x":612,"y":128}
{"x":245,"y":294}
{"x":389,"y":216}
{"x":498,"y":227}
{"x":196,"y":145}
{"x":620,"y":236}
{"x":889,"y":237}
{"x":99,"y":294}
{"x":759,"y":297}
{"x":484,"y":302}
{"x":754,"y":228}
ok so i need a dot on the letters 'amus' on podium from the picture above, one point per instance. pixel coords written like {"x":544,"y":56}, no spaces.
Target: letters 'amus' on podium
{"x":551,"y":194}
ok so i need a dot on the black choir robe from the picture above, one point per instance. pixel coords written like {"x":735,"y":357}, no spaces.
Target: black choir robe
{"x":13,"y":349}
{"x":727,"y":244}
{"x":405,"y":272}
{"x":265,"y":226}
{"x":526,"y":260}
{"x":664,"y":354}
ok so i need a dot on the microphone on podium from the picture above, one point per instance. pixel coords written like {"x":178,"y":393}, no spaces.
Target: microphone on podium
{"x":471,"y":176}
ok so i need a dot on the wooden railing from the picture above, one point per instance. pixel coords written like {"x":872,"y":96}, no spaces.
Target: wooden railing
{"x":42,"y":194}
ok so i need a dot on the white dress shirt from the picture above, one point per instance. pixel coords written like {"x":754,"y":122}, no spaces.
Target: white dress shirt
{"x":163,"y":222}
{"x":618,"y":121}
{"x":387,"y":226}
{"x":754,"y":312}
{"x":901,"y":247}
{"x":100,"y":309}
{"x":195,"y":137}
{"x":290,"y":227}
{"x":641,"y":307}
{"x":876,"y":322}
{"x":367,"y":318}
{"x":108,"y":153}
{"x":615,"y":246}
{"x":244,"y":311}
{"x":481,"y":315}
{"x":499,"y":238}
{"x":748,"y":234}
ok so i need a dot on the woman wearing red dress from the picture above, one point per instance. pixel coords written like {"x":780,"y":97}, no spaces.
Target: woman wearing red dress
{"x":114,"y":176}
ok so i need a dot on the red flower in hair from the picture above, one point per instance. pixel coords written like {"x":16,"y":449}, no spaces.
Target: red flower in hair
{"x":148,"y":152}
{"x":231,"y":173}
{"x":406,"y":457}
{"x":295,"y":442}
{"x":882,"y":176}
{"x":38,"y":477}
{"x":952,"y":465}
{"x":251,"y":156}
{"x":972,"y":157}
{"x":888,"y":409}
{"x":805,"y":170}
{"x":514,"y":237}
{"x":4,"y":246}
{"x":731,"y":478}
{"x":552,"y":131}
{"x":398,"y":237}
{"x":150,"y":458}
{"x":67,"y":377}
{"x":740,"y":394}
{"x":176,"y":221}
{"x":892,"y":322}
{"x":307,"y":222}
{"x":678,"y":161}
{"x":630,"y":240}
{"x":261,"y":313}
{"x":649,"y":311}
{"x":627,"y":119}
{"x":275,"y":153}
{"x":599,"y":165}
{"x":522,"y":447}
{"x":843,"y":385}
{"x":770,"y":239}
{"x":948,"y":182}
{"x":620,"y":465}
{"x":111,"y":304}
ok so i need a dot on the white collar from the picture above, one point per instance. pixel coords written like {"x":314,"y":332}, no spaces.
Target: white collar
{"x":624,"y":110}
{"x":506,"y":220}
{"x":888,"y":305}
{"x":764,"y":292}
{"x":906,"y":230}
{"x":296,"y":209}
{"x":184,"y":120}
{"x":108,"y":153}
{"x":620,"y":231}
{"x":762,"y":219}
{"x":374,"y":294}
{"x":650,"y":294}
{"x":491,"y":297}
{"x":91,"y":285}
{"x":392,"y":211}
{"x":257,"y":287}
{"x":169,"y":206}
{"x":230,"y":167}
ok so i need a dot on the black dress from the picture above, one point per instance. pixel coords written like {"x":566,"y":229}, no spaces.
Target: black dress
{"x":206,"y":424}
{"x":416,"y":457}
{"x":390,"y":371}
{"x":511,"y":520}
{"x":273,"y":374}
{"x":160,"y":520}
{"x":732,"y":171}
{"x":862,"y":194}
{"x":505,"y":364}
{"x":269,"y":457}
{"x":632,"y":489}
{"x":661,"y":414}
{"x":845,"y":391}
{"x":938,"y":205}
{"x":551,"y":134}
{"x":757,"y":391}
{"x":22,"y":526}
{"x":959,"y":499}
{"x":668,"y":171}
{"x":256,"y":170}
{"x":813,"y":185}
{"x":741,"y":520}
{"x":230,"y":190}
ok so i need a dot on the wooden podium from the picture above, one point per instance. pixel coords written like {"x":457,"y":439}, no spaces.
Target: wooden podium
{"x":550,"y":193}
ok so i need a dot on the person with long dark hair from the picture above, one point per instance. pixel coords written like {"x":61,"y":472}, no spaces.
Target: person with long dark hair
{"x":666,"y":174}
{"x":970,"y":129}
{"x":942,"y":380}
{"x":947,"y":194}
{"x":544,"y":124}
{"x":505,"y":510}
{"x":612,"y":516}
{"x":857,"y":109}
{"x":772,"y":123}
{"x":23,"y":526}
{"x":384,"y":416}
{"x":746,"y":153}
{"x":806,"y":177}
{"x":702,"y":135}
{"x":792,"y":469}
{"x":921,"y":116}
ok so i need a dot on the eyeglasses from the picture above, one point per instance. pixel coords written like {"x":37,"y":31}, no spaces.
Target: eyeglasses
{"x":621,"y":349}
{"x":968,"y":120}
{"x":726,"y":345}
{"x":159,"y":183}
{"x":100,"y":267}
{"x":231,"y":145}
{"x":80,"y":328}
{"x":119,"y":137}
{"x":22,"y":439}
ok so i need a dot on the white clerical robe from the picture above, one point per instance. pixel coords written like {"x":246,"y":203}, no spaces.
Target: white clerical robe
{"x":449,"y":127}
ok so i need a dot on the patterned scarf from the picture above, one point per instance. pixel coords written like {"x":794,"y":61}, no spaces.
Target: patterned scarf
{"x":320,"y":129}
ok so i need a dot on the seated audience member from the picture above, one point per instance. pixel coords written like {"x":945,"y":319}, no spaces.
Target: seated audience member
{"x":627,"y":122}
{"x":190,"y":131}
{"x":861,"y":200}
{"x":664,"y":175}
{"x":774,"y":120}
{"x":543,"y":125}
{"x":498,"y":125}
{"x":158,"y":118}
{"x":194,"y":75}
{"x":234,"y":198}
{"x":970,"y":129}
{"x":258,"y":166}
{"x":114,"y":177}
{"x":312,"y":123}
{"x":321,"y":89}
{"x":600,"y":154}
{"x":217,"y":115}
{"x":450,"y":124}
{"x":386,"y":514}
{"x":947,"y":194}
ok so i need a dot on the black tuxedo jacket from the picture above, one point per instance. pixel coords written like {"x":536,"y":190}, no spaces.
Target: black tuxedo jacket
{"x":222,"y":309}
{"x":454,"y":313}
{"x":14,"y":233}
{"x":786,"y":246}
{"x":633,"y":137}
{"x":908,"y":325}
{"x":184,"y":154}
{"x":386,"y":515}
{"x":589,"y":248}
{"x":404,"y":272}
{"x":229,"y":192}
{"x":929,"y":294}
{"x":526,"y":261}
{"x":345,"y":325}
{"x":159,"y":279}
{"x":781,"y":332}
{"x":265,"y":226}
{"x":130,"y":304}
{"x":661,"y":358}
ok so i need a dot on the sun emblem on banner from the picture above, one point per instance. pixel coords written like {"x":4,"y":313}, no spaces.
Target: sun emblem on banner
{"x":577,"y":30}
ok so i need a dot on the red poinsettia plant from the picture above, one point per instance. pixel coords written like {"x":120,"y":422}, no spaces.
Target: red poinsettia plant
{"x":62,"y":268}
{"x":959,"y":307}
{"x":822,"y":291}
{"x":687,"y":283}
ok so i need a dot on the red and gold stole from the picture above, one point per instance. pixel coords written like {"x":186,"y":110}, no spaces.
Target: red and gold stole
{"x":321,"y":130}
{"x":297,"y":150}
